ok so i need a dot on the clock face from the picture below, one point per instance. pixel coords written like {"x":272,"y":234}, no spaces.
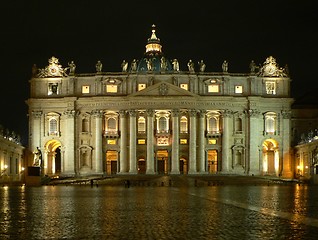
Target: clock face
{"x":53,"y":70}
{"x":270,"y":69}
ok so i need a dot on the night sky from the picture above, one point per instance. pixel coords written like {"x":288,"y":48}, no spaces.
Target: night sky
{"x":86,"y":31}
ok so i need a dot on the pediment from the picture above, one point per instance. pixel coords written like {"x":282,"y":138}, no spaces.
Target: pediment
{"x":163,"y":89}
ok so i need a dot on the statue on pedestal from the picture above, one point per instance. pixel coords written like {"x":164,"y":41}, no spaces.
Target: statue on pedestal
{"x":37,"y":157}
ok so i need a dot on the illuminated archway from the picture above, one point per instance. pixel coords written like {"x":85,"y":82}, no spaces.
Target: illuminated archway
{"x":111,"y":161}
{"x":52,"y":158}
{"x":270,"y":157}
{"x":212,"y":161}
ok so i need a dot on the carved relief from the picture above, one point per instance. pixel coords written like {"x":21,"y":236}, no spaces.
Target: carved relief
{"x":54,"y":69}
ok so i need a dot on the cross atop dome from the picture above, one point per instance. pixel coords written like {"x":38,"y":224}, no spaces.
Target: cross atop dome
{"x":153,"y":44}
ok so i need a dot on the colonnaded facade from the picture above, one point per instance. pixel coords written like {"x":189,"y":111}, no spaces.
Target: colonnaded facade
{"x":11,"y":156}
{"x":154,"y":118}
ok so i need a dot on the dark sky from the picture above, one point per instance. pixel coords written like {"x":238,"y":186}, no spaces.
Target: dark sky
{"x":110,"y":31}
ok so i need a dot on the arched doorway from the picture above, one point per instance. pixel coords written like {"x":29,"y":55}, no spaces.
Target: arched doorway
{"x":183,"y":166}
{"x":270,"y":157}
{"x":141,"y":165}
{"x":53,"y":158}
{"x":212,"y":161}
{"x":162,"y":161}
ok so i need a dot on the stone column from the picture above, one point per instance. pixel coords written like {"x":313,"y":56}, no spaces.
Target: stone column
{"x":192,"y":143}
{"x":98,"y":164}
{"x":201,"y":148}
{"x":150,"y":142}
{"x":286,"y":132}
{"x":226,"y":153}
{"x":36,"y":125}
{"x":132,"y":142}
{"x":69,"y":156}
{"x":175,"y":159}
{"x":254,"y":151}
{"x":123,"y":142}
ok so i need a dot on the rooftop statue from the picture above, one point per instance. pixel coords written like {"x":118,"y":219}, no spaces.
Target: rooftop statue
{"x":202,"y":66}
{"x":34,"y":70}
{"x":72,"y":67}
{"x":225,"y":66}
{"x":163,"y":64}
{"x":191,"y":66}
{"x":124,"y":66}
{"x":99,"y":66}
{"x":175,"y":65}
{"x":134,"y":65}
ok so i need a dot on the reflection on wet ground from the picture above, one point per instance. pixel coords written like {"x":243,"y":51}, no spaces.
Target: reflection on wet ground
{"x":217,"y":212}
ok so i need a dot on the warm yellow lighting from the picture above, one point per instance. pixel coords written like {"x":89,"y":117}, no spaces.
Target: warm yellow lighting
{"x":213,"y":88}
{"x":22,"y":169}
{"x":238,"y":89}
{"x":141,"y":86}
{"x":183,"y":141}
{"x":111,"y":88}
{"x":5,"y":166}
{"x":212,"y":141}
{"x":184,"y":86}
{"x":153,"y":47}
{"x":111,"y":141}
{"x":85,"y":89}
{"x":141,"y":141}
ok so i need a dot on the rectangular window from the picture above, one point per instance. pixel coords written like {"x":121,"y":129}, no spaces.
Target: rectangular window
{"x":183,"y":141}
{"x":212,"y":141}
{"x":141,"y":141}
{"x":238,"y":89}
{"x":111,"y":88}
{"x":53,"y":89}
{"x":184,"y":86}
{"x":111,"y":141}
{"x":85,"y":89}
{"x":141,"y":86}
{"x":213,"y":88}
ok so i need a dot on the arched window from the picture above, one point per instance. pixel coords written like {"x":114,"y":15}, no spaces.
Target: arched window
{"x":270,"y":123}
{"x":85,"y":125}
{"x":111,"y":125}
{"x":213,"y":124}
{"x":163,"y":126}
{"x":141,"y":125}
{"x":52,"y":126}
{"x":183,"y":124}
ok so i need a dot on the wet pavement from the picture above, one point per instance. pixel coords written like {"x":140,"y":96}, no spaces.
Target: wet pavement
{"x":155,"y":212}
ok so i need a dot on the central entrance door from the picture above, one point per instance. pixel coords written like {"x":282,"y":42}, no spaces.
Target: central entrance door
{"x":162,"y":161}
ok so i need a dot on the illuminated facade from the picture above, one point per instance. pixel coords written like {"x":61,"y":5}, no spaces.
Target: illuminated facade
{"x":11,"y":157}
{"x":155,"y":118}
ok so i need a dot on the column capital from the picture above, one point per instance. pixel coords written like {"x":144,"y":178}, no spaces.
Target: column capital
{"x":37,"y":114}
{"x":286,"y":114}
{"x":132,"y":113}
{"x":175,"y":113}
{"x":122,"y":113}
{"x":70,"y":113}
{"x":201,"y":113}
{"x":192,"y":112}
{"x":97,"y":113}
{"x":253,"y":112}
{"x":227,"y":113}
{"x":150,"y":112}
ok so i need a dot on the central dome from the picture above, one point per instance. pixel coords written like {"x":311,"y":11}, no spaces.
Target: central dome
{"x":154,"y":60}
